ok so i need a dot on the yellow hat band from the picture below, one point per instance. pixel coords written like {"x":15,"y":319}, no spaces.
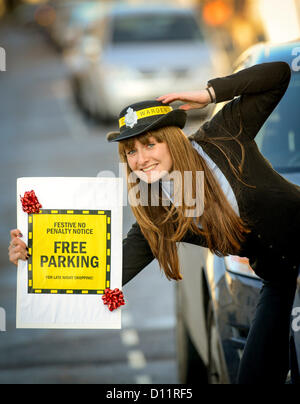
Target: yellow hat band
{"x":146,"y":113}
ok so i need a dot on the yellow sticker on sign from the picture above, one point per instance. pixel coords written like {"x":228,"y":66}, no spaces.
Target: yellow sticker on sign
{"x":70,"y":252}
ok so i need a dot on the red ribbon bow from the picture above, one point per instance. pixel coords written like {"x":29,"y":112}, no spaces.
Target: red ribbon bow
{"x":30,"y":203}
{"x":113,"y":298}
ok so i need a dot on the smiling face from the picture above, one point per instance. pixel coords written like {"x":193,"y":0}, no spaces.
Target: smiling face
{"x":150,"y":161}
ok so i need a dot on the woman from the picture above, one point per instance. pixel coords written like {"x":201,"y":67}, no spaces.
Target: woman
{"x":249,"y":209}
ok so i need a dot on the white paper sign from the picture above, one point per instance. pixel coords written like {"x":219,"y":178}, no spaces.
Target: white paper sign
{"x":75,"y":247}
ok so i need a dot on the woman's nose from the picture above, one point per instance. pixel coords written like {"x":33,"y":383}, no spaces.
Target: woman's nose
{"x":142,"y":158}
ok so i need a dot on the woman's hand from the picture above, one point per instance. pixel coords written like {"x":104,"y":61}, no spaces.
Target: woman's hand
{"x":192,"y":99}
{"x":17,"y":249}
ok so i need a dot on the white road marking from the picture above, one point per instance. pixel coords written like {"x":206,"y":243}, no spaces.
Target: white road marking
{"x":136,"y":359}
{"x":130,"y":337}
{"x":143,"y":379}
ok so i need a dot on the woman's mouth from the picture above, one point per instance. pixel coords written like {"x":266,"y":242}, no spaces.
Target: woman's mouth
{"x":150,"y":168}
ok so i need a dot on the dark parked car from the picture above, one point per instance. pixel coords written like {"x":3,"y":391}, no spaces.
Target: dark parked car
{"x":217,"y":298}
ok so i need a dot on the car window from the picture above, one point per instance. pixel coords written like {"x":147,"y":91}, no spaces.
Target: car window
{"x":155,"y":27}
{"x":87,"y":13}
{"x":279,"y":138}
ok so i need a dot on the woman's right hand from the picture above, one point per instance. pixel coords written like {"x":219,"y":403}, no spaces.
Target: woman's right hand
{"x":17,"y":249}
{"x":192,"y":99}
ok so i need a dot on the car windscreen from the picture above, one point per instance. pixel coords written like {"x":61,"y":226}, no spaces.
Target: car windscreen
{"x":87,"y":13}
{"x":155,"y":27}
{"x":279,"y":138}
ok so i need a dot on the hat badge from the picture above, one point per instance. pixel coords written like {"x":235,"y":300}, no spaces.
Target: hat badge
{"x":131,"y":118}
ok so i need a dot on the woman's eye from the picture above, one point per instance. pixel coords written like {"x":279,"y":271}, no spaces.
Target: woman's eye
{"x":151,"y":145}
{"x":130,"y":152}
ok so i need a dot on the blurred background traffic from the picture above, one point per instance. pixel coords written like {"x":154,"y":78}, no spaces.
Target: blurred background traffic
{"x":124,"y":51}
{"x":67,"y":68}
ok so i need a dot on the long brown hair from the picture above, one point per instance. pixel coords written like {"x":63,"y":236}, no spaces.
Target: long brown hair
{"x":163,"y":226}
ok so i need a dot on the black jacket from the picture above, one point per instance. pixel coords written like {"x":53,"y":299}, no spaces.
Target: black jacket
{"x":273,"y":206}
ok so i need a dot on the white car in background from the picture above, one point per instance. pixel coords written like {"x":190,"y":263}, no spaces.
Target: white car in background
{"x":140,"y":52}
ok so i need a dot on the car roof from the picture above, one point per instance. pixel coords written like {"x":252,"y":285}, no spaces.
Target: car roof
{"x":269,"y":52}
{"x":264,"y":52}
